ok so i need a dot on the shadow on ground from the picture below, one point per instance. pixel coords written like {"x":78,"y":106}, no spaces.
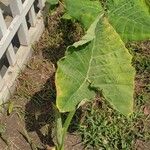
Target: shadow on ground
{"x":39,"y":113}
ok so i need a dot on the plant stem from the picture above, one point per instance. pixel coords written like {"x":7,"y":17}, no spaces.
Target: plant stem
{"x":67,"y":123}
{"x":59,"y":128}
{"x":60,"y":146}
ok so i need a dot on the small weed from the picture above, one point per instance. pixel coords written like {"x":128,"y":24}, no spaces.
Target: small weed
{"x":103,"y":128}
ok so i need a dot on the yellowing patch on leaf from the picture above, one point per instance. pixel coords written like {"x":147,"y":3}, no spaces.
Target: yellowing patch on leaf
{"x":59,"y":92}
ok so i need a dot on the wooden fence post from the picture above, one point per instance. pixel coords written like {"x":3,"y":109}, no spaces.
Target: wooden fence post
{"x":16,"y":9}
{"x":10,"y":50}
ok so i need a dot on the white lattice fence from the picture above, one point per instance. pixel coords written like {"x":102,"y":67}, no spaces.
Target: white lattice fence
{"x":24,"y":27}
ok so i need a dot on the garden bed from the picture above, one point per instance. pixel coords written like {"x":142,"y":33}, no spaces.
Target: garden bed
{"x":29,"y":120}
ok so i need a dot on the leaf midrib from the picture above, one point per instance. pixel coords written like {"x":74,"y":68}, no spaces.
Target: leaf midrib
{"x":87,"y":74}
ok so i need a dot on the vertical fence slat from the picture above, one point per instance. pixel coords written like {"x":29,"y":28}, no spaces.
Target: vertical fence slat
{"x":23,"y":34}
{"x":11,"y":55}
{"x":32,"y":17}
{"x":41,"y":4}
{"x":2,"y":72}
{"x":1,"y":34}
{"x":1,"y":82}
{"x":2,"y":24}
{"x":3,"y":27}
{"x":16,"y":9}
{"x":10,"y":51}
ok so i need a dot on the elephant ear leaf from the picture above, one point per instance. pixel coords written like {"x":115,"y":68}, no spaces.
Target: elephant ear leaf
{"x":130,"y":18}
{"x":100,"y":62}
{"x":84,"y":11}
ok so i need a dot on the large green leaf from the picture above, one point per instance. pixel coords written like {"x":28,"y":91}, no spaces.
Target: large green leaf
{"x":99,"y":62}
{"x":130,"y":18}
{"x":84,"y":11}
